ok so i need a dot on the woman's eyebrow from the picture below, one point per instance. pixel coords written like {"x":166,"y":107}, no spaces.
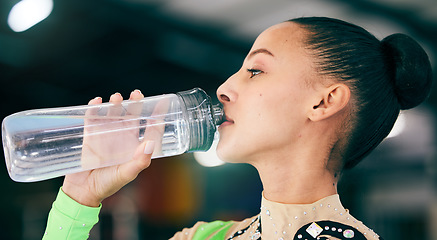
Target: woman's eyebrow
{"x":261,"y":50}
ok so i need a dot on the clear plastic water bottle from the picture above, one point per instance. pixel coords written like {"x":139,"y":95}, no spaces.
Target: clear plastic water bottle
{"x":46,"y":143}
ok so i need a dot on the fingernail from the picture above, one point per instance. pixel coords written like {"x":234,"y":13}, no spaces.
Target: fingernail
{"x":136,"y":90}
{"x":150,"y":146}
{"x":115,"y":94}
{"x":97,"y":98}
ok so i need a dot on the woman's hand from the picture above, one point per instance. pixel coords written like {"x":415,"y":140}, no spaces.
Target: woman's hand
{"x":91,"y":187}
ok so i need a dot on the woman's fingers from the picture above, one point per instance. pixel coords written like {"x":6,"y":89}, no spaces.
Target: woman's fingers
{"x":135,"y":108}
{"x":96,"y":100}
{"x":116,"y":109}
{"x":116,"y":98}
{"x":93,"y":110}
{"x":136,"y":95}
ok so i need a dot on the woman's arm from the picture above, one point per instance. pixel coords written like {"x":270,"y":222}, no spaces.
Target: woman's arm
{"x":76,"y":208}
{"x":69,"y":219}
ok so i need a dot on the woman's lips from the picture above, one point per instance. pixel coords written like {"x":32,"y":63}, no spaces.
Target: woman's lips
{"x":227,"y":122}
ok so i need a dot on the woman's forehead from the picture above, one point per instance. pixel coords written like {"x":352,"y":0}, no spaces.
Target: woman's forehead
{"x":280,"y":38}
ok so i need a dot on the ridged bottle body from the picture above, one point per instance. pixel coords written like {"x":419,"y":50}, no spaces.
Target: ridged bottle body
{"x":47,"y":143}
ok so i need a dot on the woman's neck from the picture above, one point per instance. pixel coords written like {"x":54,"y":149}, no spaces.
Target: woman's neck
{"x":297,"y":181}
{"x":301,"y":189}
{"x":303,"y":171}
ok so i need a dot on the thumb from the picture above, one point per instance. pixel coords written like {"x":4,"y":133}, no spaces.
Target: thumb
{"x":140,"y":161}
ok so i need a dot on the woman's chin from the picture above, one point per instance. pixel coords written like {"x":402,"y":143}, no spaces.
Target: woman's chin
{"x":229,"y":152}
{"x":228,"y":156}
{"x":222,"y":155}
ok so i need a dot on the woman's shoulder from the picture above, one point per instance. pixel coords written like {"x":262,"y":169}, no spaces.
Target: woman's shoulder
{"x":324,"y":218}
{"x":351,"y":228}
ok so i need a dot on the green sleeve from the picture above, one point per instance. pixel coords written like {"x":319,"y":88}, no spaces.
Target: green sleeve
{"x":69,"y":219}
{"x":215,"y":230}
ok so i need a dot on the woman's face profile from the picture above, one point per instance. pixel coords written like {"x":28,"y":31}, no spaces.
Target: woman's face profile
{"x":266,"y":101}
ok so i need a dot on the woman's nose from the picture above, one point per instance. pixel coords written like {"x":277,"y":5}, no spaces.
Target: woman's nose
{"x":225,"y":92}
{"x":224,"y":98}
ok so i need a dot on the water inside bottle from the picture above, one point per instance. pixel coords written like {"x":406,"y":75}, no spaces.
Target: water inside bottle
{"x":48,"y":146}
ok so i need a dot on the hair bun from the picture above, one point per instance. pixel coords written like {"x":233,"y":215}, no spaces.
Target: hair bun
{"x":411,"y":69}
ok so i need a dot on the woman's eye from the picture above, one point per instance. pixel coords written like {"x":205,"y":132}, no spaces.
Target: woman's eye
{"x":254,"y":72}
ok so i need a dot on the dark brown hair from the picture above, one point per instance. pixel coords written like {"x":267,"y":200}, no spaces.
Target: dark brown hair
{"x":384,"y":77}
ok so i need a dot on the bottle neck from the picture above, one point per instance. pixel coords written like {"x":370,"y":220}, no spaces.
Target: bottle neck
{"x":218,"y":114}
{"x":202,"y":118}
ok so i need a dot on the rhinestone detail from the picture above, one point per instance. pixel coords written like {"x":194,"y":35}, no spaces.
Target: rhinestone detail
{"x":349,"y":233}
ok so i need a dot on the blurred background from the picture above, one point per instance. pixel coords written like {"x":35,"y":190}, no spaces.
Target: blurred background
{"x":72,"y":51}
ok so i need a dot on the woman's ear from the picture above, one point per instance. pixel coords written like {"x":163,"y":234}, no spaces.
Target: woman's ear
{"x":333,"y":100}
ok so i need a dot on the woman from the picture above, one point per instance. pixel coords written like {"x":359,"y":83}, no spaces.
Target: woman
{"x":314,"y":96}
